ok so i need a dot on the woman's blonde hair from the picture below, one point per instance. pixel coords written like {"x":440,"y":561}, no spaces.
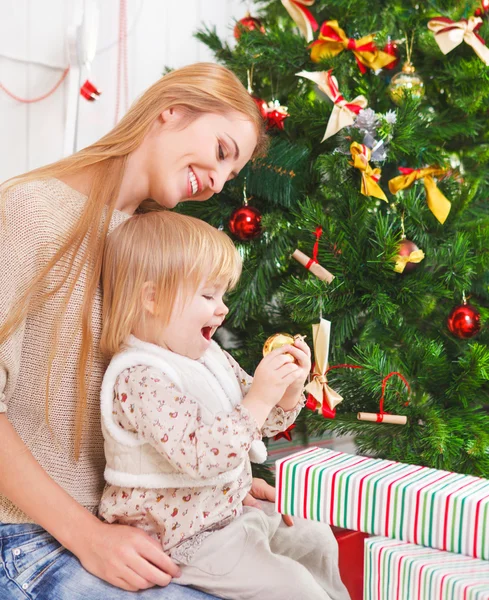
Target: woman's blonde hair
{"x":171,"y":253}
{"x":196,"y":89}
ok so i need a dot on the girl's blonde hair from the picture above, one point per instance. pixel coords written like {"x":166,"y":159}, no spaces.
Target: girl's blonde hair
{"x":172,"y":253}
{"x":196,"y":89}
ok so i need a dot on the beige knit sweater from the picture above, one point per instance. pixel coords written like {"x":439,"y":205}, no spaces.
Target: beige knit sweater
{"x":38,"y":215}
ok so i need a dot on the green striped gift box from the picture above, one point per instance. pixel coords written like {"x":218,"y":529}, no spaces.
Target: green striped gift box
{"x":402,"y":571}
{"x":424,"y":506}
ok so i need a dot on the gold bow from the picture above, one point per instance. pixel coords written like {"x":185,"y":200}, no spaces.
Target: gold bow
{"x":437,"y":203}
{"x":302,"y":17}
{"x":449,"y":34}
{"x":361,"y":156}
{"x":401,"y":261}
{"x":332,"y":40}
{"x":319,"y":388}
{"x":344,"y":113}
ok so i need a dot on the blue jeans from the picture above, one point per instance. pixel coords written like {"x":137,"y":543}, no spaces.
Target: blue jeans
{"x":34,"y":566}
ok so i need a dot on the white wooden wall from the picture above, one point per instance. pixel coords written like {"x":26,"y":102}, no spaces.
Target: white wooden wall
{"x":35,"y":31}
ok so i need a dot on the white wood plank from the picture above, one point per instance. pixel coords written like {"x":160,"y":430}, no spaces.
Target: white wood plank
{"x":45,"y":118}
{"x":183,"y":19}
{"x":13,"y":115}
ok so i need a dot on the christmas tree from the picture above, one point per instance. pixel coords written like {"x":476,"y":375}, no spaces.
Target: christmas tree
{"x":392,"y":202}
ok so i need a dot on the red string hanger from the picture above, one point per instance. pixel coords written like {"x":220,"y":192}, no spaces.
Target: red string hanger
{"x":382,"y":416}
{"x":312,"y":264}
{"x":37,"y":98}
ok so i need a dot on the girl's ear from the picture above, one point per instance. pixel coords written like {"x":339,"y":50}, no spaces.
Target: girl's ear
{"x":148,"y":295}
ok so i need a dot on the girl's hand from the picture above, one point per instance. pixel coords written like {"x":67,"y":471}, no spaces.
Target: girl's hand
{"x":274,"y":374}
{"x":261,"y":490}
{"x":302,"y":354}
{"x":124,"y":556}
{"x":272,"y":377}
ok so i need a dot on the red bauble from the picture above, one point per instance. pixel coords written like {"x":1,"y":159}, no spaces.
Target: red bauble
{"x":405,"y":249}
{"x":262,"y":106}
{"x":245,"y":223}
{"x":482,"y":11}
{"x":392,"y":49}
{"x":249,"y":23}
{"x":464,"y":321}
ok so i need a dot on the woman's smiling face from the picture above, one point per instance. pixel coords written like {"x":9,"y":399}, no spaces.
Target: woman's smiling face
{"x":193,"y":161}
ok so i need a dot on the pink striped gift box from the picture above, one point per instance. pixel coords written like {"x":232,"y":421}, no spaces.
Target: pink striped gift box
{"x":402,"y":571}
{"x":415,"y":504}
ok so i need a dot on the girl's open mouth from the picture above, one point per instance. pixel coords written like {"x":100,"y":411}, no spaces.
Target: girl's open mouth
{"x":207,"y":332}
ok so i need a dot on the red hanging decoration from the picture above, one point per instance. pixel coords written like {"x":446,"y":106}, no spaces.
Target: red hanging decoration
{"x":287,"y":434}
{"x":245,"y":223}
{"x":326,"y":411}
{"x":248,"y":23}
{"x":262,"y":106}
{"x":464,"y":321}
{"x":484,"y":7}
{"x":89,"y":91}
{"x":391,"y":49}
{"x":276,"y":115}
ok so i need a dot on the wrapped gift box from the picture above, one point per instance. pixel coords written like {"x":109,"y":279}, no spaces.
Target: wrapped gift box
{"x":402,"y":571}
{"x":438,"y":509}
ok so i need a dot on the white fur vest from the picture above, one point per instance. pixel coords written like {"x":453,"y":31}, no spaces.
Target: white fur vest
{"x":210,"y":380}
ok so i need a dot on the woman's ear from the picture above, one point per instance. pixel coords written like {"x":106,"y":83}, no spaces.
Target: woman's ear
{"x":170,"y":115}
{"x":148,"y":297}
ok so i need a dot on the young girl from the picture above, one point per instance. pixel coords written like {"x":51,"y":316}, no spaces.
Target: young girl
{"x":180,"y":417}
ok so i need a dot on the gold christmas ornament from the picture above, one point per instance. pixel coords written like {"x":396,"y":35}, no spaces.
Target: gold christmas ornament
{"x":407,"y":81}
{"x":277,"y":340}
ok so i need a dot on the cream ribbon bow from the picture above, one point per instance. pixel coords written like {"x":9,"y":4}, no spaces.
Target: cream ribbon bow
{"x":344,"y":112}
{"x":319,"y":388}
{"x":450,"y":34}
{"x":302,"y":17}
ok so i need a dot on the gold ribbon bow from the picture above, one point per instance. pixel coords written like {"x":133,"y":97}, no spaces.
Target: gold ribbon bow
{"x":319,"y":388}
{"x":450,"y":34}
{"x":344,"y":112}
{"x":302,"y":17}
{"x":332,"y":40}
{"x":361,"y":156}
{"x":401,"y":261}
{"x":437,"y":203}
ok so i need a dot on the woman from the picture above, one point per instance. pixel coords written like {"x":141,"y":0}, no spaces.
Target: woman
{"x":183,"y":139}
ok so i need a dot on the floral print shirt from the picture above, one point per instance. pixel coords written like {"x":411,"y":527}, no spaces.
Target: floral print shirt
{"x":148,"y":403}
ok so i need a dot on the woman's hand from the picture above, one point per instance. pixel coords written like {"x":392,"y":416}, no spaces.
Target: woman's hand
{"x":124,"y":556}
{"x":261,"y":490}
